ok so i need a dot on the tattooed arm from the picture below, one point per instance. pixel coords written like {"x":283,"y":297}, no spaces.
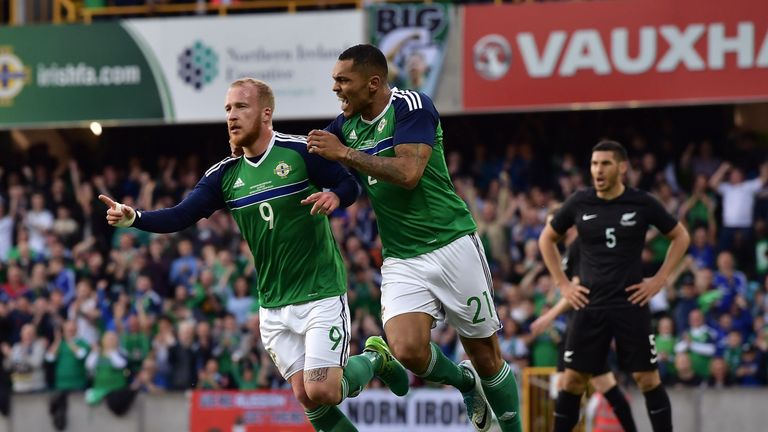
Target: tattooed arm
{"x":405,"y":169}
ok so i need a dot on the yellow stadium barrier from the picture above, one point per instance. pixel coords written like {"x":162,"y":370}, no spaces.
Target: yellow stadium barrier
{"x":537,"y":407}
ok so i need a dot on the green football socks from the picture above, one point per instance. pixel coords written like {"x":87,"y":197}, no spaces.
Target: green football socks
{"x":358,"y":373}
{"x":442,"y":370}
{"x":328,"y":418}
{"x":501,"y":392}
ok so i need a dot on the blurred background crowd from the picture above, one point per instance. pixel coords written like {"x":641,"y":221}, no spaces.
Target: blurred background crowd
{"x":83,"y":304}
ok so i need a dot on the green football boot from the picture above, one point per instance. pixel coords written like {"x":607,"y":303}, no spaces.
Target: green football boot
{"x":391,"y":372}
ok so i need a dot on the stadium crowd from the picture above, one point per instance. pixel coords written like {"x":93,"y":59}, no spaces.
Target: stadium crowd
{"x":85,"y":305}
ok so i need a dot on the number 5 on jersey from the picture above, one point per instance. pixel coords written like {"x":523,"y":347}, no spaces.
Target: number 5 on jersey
{"x":265,"y":210}
{"x":610,"y":237}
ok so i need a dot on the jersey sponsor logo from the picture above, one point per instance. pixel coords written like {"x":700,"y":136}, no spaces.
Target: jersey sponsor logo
{"x":587,"y":217}
{"x":282,"y":169}
{"x":382,"y":125}
{"x":627,"y":219}
{"x":352,"y":136}
{"x":266,"y":195}
{"x":238,"y":183}
{"x":568,"y":356}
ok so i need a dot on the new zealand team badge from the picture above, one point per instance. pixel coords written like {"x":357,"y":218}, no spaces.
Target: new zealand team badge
{"x":282,"y":169}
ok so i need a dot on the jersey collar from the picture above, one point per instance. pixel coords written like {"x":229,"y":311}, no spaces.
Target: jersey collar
{"x":381,"y":114}
{"x":264,"y":155}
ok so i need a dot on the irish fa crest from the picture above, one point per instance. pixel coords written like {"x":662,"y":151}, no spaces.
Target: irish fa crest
{"x":13,"y":75}
{"x":282,"y":169}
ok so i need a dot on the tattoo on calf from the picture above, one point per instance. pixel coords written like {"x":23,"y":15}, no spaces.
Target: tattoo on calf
{"x":316,"y":375}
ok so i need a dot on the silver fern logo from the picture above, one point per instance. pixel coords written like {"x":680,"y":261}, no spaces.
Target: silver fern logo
{"x":198,"y":65}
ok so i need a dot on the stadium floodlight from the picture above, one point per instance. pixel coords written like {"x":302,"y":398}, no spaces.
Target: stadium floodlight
{"x":96,"y":128}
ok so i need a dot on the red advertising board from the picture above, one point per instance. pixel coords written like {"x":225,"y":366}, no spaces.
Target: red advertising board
{"x":562,"y":55}
{"x":246,"y":411}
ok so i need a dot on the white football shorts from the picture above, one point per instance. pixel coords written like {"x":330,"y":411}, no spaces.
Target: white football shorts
{"x":307,"y":336}
{"x":452,"y":283}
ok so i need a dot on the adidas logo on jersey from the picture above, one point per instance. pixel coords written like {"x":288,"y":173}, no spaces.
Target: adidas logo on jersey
{"x":239,"y":183}
{"x":352,"y":136}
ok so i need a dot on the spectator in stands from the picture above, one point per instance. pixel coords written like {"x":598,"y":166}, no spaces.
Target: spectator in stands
{"x":7,"y":216}
{"x":68,"y":353}
{"x":227,"y":342}
{"x":239,"y":303}
{"x":107,"y":366}
{"x":85,"y":311}
{"x":247,"y":376}
{"x":729,"y":281}
{"x":185,"y":268}
{"x":738,"y":203}
{"x":183,"y":358}
{"x":158,"y":266}
{"x":15,"y":285}
{"x":148,"y":379}
{"x":38,"y":220}
{"x":63,"y":279}
{"x":513,"y":347}
{"x":720,"y":376}
{"x":135,"y":344}
{"x":699,"y":209}
{"x":209,"y":377}
{"x":25,"y":361}
{"x":704,"y":162}
{"x":665,"y":347}
{"x":684,"y":373}
{"x":701,"y":250}
{"x":748,"y":371}
{"x":699,"y":343}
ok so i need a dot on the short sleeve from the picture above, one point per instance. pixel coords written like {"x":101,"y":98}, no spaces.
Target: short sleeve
{"x":416,"y":118}
{"x":658,"y":216}
{"x":335,"y":127}
{"x":565,"y":217}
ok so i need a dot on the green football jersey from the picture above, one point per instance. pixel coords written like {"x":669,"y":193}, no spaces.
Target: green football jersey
{"x":416,"y":221}
{"x":296,"y":256}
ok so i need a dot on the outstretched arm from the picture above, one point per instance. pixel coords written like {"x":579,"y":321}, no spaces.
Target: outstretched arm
{"x":200,"y":203}
{"x":717,"y":177}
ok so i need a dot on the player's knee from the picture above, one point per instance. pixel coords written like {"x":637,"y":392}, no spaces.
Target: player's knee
{"x":303,"y":398}
{"x":574,"y":382}
{"x":603,"y":383}
{"x":646,"y":381}
{"x":413,"y":355}
{"x":324,"y":394}
{"x":486,"y":362}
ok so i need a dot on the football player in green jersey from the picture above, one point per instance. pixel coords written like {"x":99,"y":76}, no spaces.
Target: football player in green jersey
{"x":434,"y":266}
{"x":305,"y":324}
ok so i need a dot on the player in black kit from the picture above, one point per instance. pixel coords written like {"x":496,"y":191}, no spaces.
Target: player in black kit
{"x":611,"y":298}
